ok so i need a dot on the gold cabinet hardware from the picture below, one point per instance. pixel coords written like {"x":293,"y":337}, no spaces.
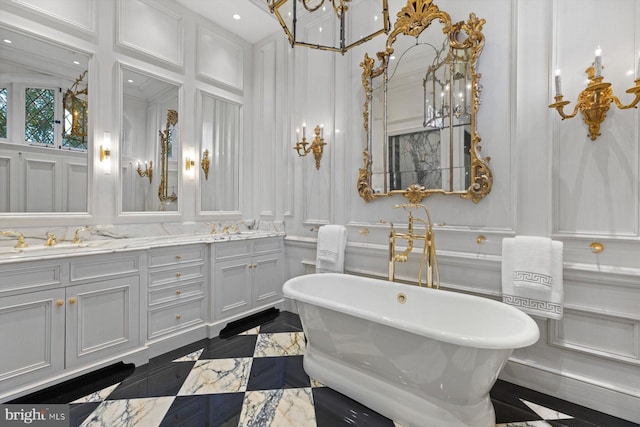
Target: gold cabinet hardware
{"x":178,"y":316}
{"x":178,"y":274}
{"x":364,"y":232}
{"x":178,"y":257}
{"x":60,"y":303}
{"x":596,"y":247}
{"x":72,"y":300}
{"x":178,"y":292}
{"x":481,"y":239}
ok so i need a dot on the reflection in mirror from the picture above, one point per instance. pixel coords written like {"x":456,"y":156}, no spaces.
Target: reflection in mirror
{"x":149,"y":142}
{"x":44,"y":134}
{"x":421,"y":107}
{"x":221,"y":124}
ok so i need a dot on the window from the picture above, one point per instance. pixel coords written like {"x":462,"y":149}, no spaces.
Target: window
{"x":39,"y":115}
{"x":3,"y":112}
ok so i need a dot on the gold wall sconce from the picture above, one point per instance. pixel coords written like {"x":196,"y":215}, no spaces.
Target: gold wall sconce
{"x":148,"y":170}
{"x":316,"y":147}
{"x":204,"y":164}
{"x":189,"y":163}
{"x":105,"y":152}
{"x":595,"y":99}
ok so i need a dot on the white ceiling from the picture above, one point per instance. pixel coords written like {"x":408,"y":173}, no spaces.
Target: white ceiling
{"x":255,"y":23}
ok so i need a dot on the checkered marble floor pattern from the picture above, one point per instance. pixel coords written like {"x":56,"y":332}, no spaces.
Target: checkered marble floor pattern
{"x":256,"y":379}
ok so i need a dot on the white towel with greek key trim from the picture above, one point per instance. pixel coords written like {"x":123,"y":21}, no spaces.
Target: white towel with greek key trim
{"x":332,"y":241}
{"x":532,"y":275}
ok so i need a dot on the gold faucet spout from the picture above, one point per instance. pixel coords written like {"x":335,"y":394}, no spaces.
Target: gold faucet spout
{"x":20,"y":243}
{"x":51,"y":239}
{"x":76,"y":235}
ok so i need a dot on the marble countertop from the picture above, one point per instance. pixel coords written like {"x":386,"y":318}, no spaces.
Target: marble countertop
{"x":119,"y":238}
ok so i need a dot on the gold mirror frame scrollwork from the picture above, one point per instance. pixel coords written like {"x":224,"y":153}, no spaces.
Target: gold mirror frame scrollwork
{"x":412,"y":19}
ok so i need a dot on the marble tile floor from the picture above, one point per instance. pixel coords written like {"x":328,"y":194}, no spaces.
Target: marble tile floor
{"x":256,"y":379}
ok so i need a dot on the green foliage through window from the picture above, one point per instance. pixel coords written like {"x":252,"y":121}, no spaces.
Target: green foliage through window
{"x":3,"y":112}
{"x":39,"y":115}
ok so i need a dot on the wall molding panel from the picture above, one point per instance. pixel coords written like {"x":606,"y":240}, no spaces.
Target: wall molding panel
{"x":611,"y":337}
{"x":150,"y":29}
{"x":219,"y":60}
{"x":75,"y":14}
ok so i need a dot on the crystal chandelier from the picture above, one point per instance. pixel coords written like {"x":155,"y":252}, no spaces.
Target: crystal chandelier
{"x":338,"y":28}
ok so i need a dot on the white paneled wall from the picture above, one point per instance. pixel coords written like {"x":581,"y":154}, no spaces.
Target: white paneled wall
{"x":550,"y":179}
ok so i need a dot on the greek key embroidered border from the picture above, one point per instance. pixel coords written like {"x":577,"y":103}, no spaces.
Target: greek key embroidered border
{"x":533,"y":278}
{"x":532,"y":304}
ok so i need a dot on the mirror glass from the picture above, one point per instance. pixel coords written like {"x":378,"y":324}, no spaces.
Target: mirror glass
{"x":421,"y":104}
{"x":219,"y":177}
{"x":150,"y":143}
{"x":44,"y":126}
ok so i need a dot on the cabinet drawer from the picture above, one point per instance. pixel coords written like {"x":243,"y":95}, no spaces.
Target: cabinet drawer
{"x":104,"y":266}
{"x":180,"y":274}
{"x":175,"y":292}
{"x":30,"y":277}
{"x":176,"y":255}
{"x":232,"y":249}
{"x":167,"y":319}
{"x":266,"y":245}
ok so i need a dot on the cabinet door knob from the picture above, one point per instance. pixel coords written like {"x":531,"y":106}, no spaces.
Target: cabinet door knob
{"x":178,"y":317}
{"x":72,"y":300}
{"x":178,"y":274}
{"x":60,"y":303}
{"x":178,"y":292}
{"x":178,"y":257}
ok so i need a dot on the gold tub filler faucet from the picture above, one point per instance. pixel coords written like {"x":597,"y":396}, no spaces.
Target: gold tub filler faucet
{"x":428,"y":261}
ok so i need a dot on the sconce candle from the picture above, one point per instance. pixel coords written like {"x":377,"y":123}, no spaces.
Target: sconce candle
{"x":597,"y":63}
{"x":558,"y":84}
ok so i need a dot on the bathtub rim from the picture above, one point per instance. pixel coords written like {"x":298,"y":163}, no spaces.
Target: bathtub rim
{"x":528,"y":336}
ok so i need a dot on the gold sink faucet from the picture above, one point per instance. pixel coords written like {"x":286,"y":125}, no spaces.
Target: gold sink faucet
{"x":76,"y":235}
{"x":20,"y":243}
{"x":51,"y":239}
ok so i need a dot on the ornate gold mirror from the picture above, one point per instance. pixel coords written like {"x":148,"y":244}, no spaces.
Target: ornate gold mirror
{"x":420,"y":109}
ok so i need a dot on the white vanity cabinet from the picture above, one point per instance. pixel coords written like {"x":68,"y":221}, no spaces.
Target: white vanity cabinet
{"x":60,"y":318}
{"x":176,"y":291}
{"x":247,"y":275}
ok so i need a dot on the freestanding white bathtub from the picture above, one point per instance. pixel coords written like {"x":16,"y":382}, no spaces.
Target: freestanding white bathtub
{"x":420,"y":356}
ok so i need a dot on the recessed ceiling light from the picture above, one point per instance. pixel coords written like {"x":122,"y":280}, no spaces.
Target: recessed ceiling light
{"x":7,"y":41}
{"x":236,"y":17}
{"x":76,"y":62}
{"x":129,"y":81}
